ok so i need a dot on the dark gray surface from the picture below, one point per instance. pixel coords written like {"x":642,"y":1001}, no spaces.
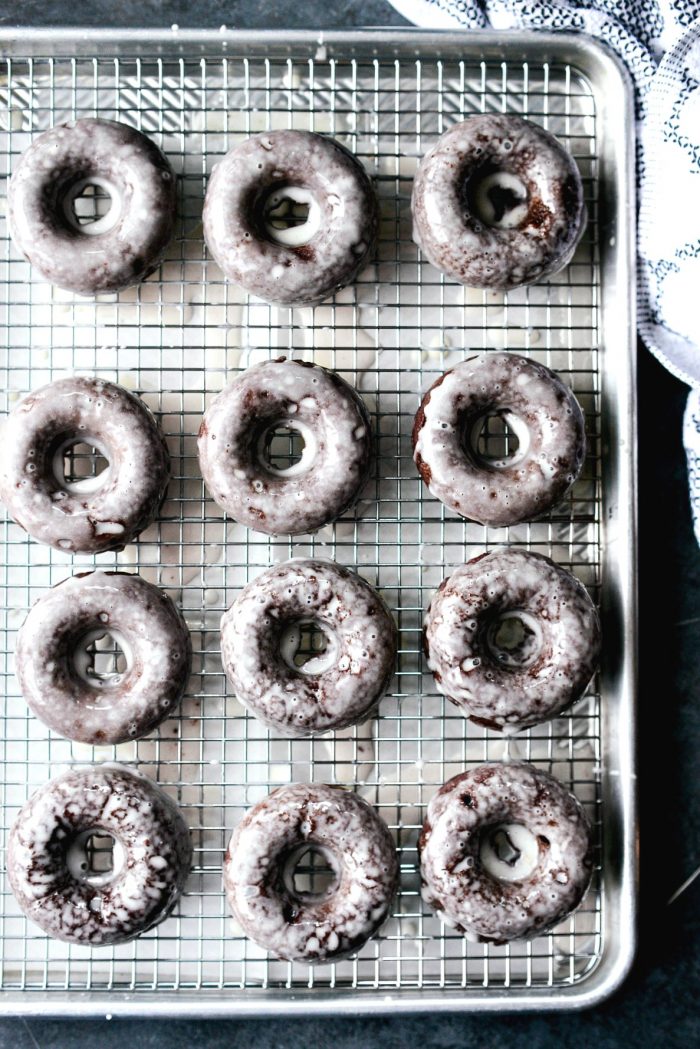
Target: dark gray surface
{"x":659,"y":1004}
{"x":253,"y":14}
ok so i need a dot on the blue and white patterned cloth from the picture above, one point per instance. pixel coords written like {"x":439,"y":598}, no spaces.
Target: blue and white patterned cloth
{"x":660,"y":42}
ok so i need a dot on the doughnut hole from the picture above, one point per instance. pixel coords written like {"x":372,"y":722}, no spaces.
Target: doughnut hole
{"x":308,"y":647}
{"x":91,"y":205}
{"x":513,"y":639}
{"x":79,"y":466}
{"x":508,"y":851}
{"x":496,"y":198}
{"x":289,"y":215}
{"x":286,"y":448}
{"x":310,"y":873}
{"x":283,"y":448}
{"x":94,"y":856}
{"x":101,"y":659}
{"x":496,"y":439}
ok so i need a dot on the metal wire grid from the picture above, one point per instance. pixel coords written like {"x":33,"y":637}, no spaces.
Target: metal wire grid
{"x":177,"y":340}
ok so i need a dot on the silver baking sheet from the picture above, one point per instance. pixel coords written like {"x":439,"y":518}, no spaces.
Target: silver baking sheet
{"x":176,"y":341}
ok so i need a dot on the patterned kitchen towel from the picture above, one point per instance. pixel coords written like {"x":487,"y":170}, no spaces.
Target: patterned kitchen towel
{"x":660,"y":42}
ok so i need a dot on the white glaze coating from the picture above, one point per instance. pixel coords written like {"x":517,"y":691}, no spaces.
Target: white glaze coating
{"x":527,"y":245}
{"x":152,"y":857}
{"x":344,"y":213}
{"x":121,"y":248}
{"x":557,"y":665}
{"x":152,"y":634}
{"x":83,"y":518}
{"x":356,"y":843}
{"x":535,"y":404}
{"x":308,"y":702}
{"x":467,"y":896}
{"x":335,"y":463}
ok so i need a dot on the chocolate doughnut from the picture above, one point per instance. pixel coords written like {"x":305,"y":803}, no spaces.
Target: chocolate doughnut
{"x":53,"y":664}
{"x":93,"y":514}
{"x":260,"y":636}
{"x":120,"y":248}
{"x":236,"y":432}
{"x":534,"y":404}
{"x":257,"y":186}
{"x":47,"y":856}
{"x":512,"y":639}
{"x":267,"y":845}
{"x":497,"y":203}
{"x":505,"y":853}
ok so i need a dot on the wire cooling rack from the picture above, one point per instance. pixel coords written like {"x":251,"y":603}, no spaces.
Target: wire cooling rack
{"x":176,"y":341}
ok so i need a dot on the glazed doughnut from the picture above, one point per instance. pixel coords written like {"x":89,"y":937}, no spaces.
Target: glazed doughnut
{"x":236,"y":430}
{"x":260,"y":636}
{"x":505,"y":853}
{"x":47,"y":856}
{"x":534,"y":404}
{"x":120,"y":248}
{"x":512,"y":639}
{"x":252,"y":189}
{"x":268,"y":844}
{"x":497,"y":203}
{"x":93,"y":514}
{"x":53,"y":666}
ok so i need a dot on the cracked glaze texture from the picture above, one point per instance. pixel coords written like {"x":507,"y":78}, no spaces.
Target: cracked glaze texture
{"x":151,"y":632}
{"x":290,"y":275}
{"x":335,"y":425}
{"x":152,"y":856}
{"x":561,"y":648}
{"x":362,"y":641}
{"x":85,"y":517}
{"x":356,"y":844}
{"x":139,"y":177}
{"x":463,"y":893}
{"x":535,"y":403}
{"x":458,"y":242}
